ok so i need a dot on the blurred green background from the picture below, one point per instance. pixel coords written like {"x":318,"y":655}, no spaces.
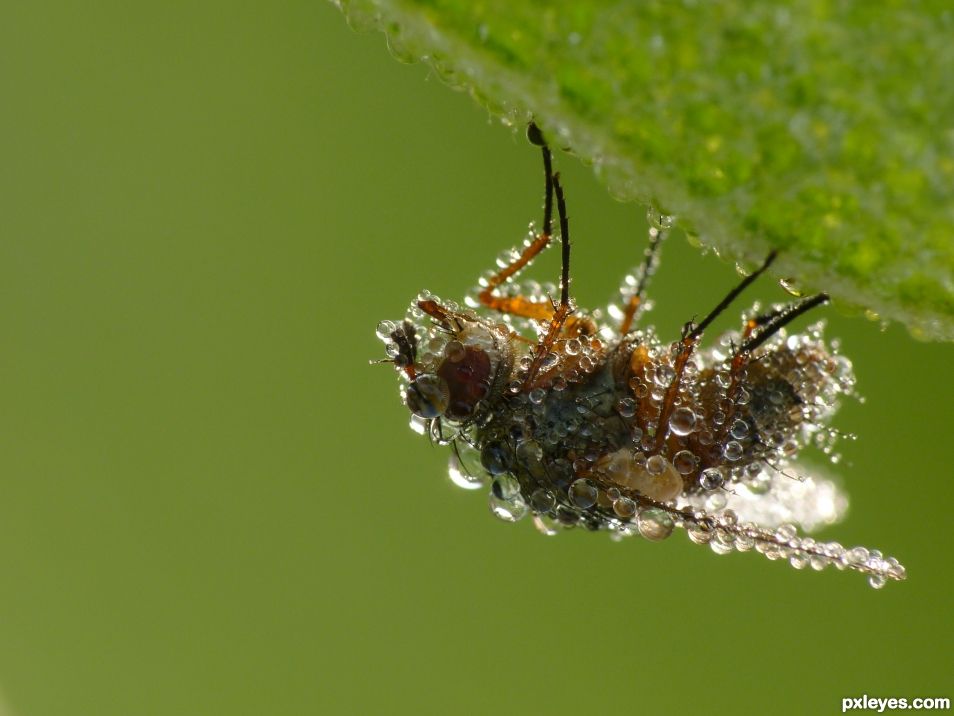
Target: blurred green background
{"x":211,"y":504}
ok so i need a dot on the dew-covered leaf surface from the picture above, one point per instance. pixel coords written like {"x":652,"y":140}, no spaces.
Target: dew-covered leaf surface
{"x":821,"y":128}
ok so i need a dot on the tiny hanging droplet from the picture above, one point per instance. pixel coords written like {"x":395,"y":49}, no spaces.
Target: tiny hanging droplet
{"x":624,"y":508}
{"x":654,"y":524}
{"x":583,"y":494}
{"x":791,"y":287}
{"x":511,"y":510}
{"x":658,"y":220}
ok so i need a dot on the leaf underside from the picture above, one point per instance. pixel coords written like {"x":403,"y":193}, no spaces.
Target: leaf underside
{"x":822,"y":128}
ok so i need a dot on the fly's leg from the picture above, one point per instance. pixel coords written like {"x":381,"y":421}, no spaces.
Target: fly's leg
{"x":758,"y":321}
{"x":690,"y":339}
{"x":770,"y":324}
{"x":645,"y":272}
{"x":561,"y":311}
{"x":521,"y":305}
{"x":777,"y":320}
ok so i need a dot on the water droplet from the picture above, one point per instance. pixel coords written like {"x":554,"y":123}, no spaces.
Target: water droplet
{"x":786,"y":533}
{"x":684,"y":461}
{"x":537,"y":395}
{"x":505,"y":258}
{"x":656,"y":465}
{"x":799,"y":560}
{"x":744,"y":542}
{"x":655,"y":524}
{"x":384,"y":330}
{"x":529,"y":452}
{"x":510,"y":510}
{"x":658,"y":220}
{"x":566,"y":516}
{"x":739,"y":430}
{"x":418,"y":425}
{"x":461,"y":477}
{"x":682,"y":421}
{"x":877,"y":581}
{"x":699,"y":534}
{"x":858,"y":555}
{"x":791,"y":286}
{"x":495,"y":457}
{"x":664,"y":375}
{"x":428,"y":396}
{"x":505,"y":487}
{"x":732,"y":450}
{"x":626,"y":407}
{"x":819,"y":562}
{"x":551,"y":361}
{"x":583,"y":494}
{"x":711,"y":479}
{"x":542,"y":500}
{"x":624,"y":508}
{"x":546,"y":525}
{"x":722,"y":543}
{"x":572,"y":347}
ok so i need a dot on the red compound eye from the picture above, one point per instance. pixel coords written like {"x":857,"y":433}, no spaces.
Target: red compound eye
{"x":467,"y":373}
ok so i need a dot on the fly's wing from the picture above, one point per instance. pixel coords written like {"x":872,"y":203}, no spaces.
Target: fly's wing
{"x":792,"y":495}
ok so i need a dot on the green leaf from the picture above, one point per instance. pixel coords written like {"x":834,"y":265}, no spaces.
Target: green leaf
{"x":823,"y":128}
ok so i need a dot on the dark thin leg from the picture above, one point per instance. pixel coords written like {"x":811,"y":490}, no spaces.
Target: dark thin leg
{"x":688,"y":344}
{"x":536,"y":137}
{"x":731,"y":296}
{"x":564,"y":309}
{"x":741,"y":358}
{"x":781,"y":320}
{"x":548,"y":191}
{"x":759,"y":321}
{"x":656,"y":237}
{"x":564,"y":243}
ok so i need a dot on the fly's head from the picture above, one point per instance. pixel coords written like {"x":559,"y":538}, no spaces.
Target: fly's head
{"x":452,"y":363}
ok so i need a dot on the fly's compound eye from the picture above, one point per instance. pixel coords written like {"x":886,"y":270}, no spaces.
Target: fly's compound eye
{"x":428,"y":396}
